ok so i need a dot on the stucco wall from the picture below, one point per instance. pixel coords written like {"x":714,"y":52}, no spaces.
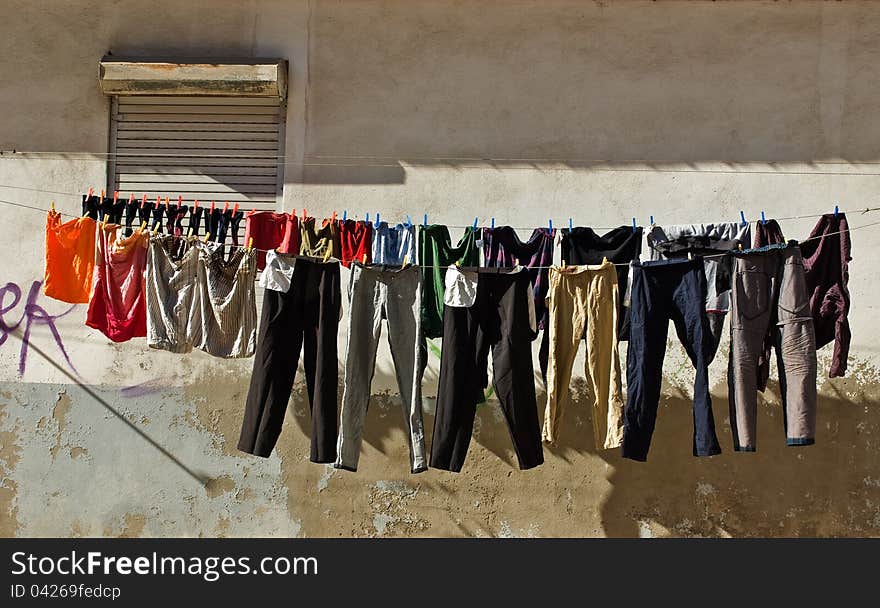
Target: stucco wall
{"x":743,"y":105}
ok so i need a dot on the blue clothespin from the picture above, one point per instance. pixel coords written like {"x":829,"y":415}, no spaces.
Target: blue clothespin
{"x":475,"y":222}
{"x":426,"y":220}
{"x":376,"y":223}
{"x":742,"y":218}
{"x":344,"y":215}
{"x":550,"y":225}
{"x":652,"y":220}
{"x":408,"y":221}
{"x":569,"y":225}
{"x":763,"y":219}
{"x":634,"y":225}
{"x":367,"y":217}
{"x":493,"y":222}
{"x":836,"y":211}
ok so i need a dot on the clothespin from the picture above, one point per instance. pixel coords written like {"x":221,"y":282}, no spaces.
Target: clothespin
{"x":344,"y":214}
{"x":115,"y":197}
{"x":365,"y":260}
{"x":408,"y":221}
{"x":253,"y":209}
{"x":492,"y":222}
{"x":563,"y":264}
{"x":367,"y":218}
{"x":131,"y":198}
{"x":167,"y":204}
{"x":333,"y":217}
{"x":836,"y":211}
{"x":406,"y":259}
{"x":739,"y":246}
{"x":52,"y":207}
{"x":179,"y":200}
{"x":570,"y":226}
{"x":376,"y":223}
{"x":634,"y":225}
{"x":143,"y":201}
{"x":102,"y":196}
{"x":158,"y":202}
{"x":91,"y":192}
{"x":326,"y":255}
{"x":206,"y":237}
{"x":143,"y":226}
{"x":189,"y":231}
{"x":235,"y":209}
{"x":304,"y":213}
{"x":212,"y":206}
{"x":742,"y":218}
{"x":250,"y":244}
{"x":763,"y":219}
{"x":226,"y":207}
{"x":426,"y":220}
{"x":475,"y":223}
{"x":651,"y":220}
{"x":195,"y":204}
{"x":550,"y":225}
{"x":690,"y":255}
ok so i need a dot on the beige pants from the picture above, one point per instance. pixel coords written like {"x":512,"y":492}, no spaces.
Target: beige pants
{"x":585,"y":298}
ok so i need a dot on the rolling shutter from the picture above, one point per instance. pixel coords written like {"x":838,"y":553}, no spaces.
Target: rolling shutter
{"x":201,"y":148}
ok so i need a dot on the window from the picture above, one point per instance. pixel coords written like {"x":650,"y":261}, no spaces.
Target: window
{"x":201,"y":131}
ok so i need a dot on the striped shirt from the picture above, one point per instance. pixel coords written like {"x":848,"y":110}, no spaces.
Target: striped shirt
{"x":200,"y":300}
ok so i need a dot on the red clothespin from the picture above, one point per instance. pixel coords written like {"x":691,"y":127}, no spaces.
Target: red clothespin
{"x":167,"y":204}
{"x":196,"y":204}
{"x":179,"y":200}
{"x":158,"y":202}
{"x":143,"y":201}
{"x":333,"y":219}
{"x":212,"y":206}
{"x":131,"y":198}
{"x":235,"y":209}
{"x":254,"y":210}
{"x":91,"y":192}
{"x":115,"y":196}
{"x":304,"y":213}
{"x":226,"y":207}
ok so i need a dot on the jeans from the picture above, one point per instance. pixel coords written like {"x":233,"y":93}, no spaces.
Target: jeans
{"x":664,"y":290}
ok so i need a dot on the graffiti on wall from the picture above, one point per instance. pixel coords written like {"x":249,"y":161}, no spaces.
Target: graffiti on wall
{"x":32,"y":314}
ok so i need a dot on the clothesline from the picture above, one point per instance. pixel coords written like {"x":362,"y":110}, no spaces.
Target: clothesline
{"x":232,"y":246}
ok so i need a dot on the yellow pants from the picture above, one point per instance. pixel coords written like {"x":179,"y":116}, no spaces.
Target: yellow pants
{"x":585,"y":298}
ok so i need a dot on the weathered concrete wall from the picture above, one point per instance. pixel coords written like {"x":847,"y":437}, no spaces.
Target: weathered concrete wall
{"x":736,"y":106}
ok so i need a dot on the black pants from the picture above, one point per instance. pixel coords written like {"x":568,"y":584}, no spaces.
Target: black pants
{"x":664,"y":290}
{"x":500,"y":319}
{"x":307,"y":317}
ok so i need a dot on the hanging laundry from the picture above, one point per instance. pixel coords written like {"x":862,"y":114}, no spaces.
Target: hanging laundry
{"x":356,"y":240}
{"x":70,"y":258}
{"x":157,"y":212}
{"x":271,"y":231}
{"x":394,"y":244}
{"x":502,"y":248}
{"x":827,"y":253}
{"x":91,"y":206}
{"x":118,"y":304}
{"x":199,"y":300}
{"x":174,"y":219}
{"x":112,"y":212}
{"x":132,"y":209}
{"x":664,"y":290}
{"x":230,"y":224}
{"x":769,"y":296}
{"x":393,"y":294}
{"x":768,"y":232}
{"x":679,"y":241}
{"x":214,"y":222}
{"x":585,"y":299}
{"x":195,"y":220}
{"x":436,"y":253}
{"x":499,"y":315}
{"x":144,"y":212}
{"x":278,"y":272}
{"x":622,"y":245}
{"x":319,"y":243}
{"x":228,"y":301}
{"x":304,"y":317}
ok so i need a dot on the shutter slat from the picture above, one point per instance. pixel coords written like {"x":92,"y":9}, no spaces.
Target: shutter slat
{"x":206,"y":135}
{"x":219,"y":127}
{"x":231,"y":118}
{"x":239,"y":180}
{"x":162,"y":100}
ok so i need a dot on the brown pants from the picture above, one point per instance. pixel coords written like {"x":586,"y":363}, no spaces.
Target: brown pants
{"x":770,"y":297}
{"x":585,"y":298}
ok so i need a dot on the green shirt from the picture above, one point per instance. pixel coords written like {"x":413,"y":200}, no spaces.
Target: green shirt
{"x":437,"y":252}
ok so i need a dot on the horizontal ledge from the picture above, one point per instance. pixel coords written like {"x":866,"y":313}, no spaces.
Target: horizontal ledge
{"x":256,"y":78}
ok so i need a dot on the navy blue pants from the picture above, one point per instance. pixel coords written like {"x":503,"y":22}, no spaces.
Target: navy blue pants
{"x":664,"y":290}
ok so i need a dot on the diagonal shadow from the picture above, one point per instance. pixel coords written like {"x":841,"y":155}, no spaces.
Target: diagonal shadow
{"x":202,"y":480}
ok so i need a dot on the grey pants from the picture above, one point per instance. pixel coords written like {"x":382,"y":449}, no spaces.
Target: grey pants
{"x":770,"y":296}
{"x":376,"y":293}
